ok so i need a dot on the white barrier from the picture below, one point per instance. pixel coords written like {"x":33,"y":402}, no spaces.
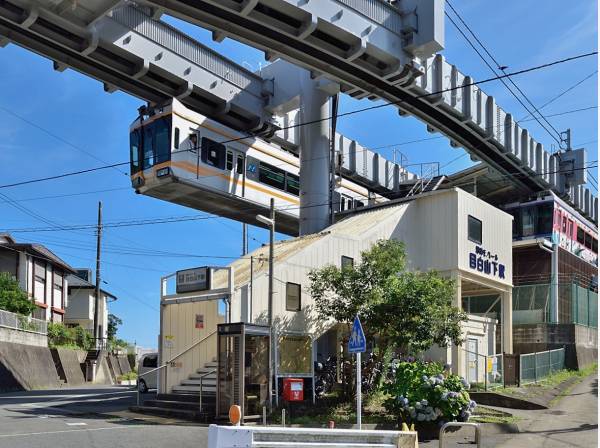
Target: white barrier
{"x":277,"y":437}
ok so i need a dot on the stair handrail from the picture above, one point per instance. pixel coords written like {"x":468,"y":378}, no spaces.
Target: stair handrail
{"x":204,"y":375}
{"x":167,"y":363}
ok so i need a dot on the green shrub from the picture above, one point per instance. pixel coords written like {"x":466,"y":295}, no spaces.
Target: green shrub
{"x":12,"y":297}
{"x":77,"y":337}
{"x":128,"y":376}
{"x":423,"y":392}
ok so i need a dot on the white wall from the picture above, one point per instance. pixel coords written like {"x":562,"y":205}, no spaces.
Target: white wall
{"x":81,"y":307}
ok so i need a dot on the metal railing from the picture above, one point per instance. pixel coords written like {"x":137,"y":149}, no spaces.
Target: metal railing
{"x":167,"y":363}
{"x":204,"y":375}
{"x":493,"y":371}
{"x":536,"y":366}
{"x":443,"y":429}
{"x":23,"y":323}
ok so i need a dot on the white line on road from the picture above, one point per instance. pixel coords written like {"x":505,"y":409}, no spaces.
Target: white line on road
{"x":2,"y":436}
{"x":76,"y":424}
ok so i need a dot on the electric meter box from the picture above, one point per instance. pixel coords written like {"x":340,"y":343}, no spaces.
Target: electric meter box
{"x":293,"y":389}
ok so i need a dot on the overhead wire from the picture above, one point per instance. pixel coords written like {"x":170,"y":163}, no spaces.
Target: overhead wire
{"x":555,"y":137}
{"x":339,"y":115}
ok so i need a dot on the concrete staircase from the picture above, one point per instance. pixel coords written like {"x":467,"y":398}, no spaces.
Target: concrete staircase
{"x":184,"y":400}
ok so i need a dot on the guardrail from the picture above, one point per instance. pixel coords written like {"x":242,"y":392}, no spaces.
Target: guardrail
{"x":535,"y":366}
{"x":270,"y":437}
{"x":23,"y":323}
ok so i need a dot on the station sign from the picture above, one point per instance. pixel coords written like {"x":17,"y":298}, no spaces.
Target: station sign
{"x":191,"y":280}
{"x":486,"y":262}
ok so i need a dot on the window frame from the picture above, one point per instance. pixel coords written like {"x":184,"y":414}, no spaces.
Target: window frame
{"x":346,"y":261}
{"x":287,"y":296}
{"x":229,"y":160}
{"x":262,"y":175}
{"x":580,"y":232}
{"x":472,"y":239}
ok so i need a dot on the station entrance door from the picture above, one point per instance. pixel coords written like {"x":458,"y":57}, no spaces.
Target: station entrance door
{"x":243,"y":369}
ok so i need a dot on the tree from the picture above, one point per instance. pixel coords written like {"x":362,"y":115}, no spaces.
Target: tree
{"x":12,"y":297}
{"x":113,"y":324}
{"x":408,"y":311}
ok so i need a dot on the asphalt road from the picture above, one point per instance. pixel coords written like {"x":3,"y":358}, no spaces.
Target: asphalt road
{"x":98,"y":418}
{"x":91,"y":417}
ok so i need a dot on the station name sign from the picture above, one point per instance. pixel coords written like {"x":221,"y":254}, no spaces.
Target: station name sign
{"x":487,"y":263}
{"x":190,"y":280}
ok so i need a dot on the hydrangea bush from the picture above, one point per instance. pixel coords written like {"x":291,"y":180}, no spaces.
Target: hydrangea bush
{"x":423,"y":392}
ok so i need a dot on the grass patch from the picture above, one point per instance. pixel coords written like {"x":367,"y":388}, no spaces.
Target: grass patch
{"x":533,"y":390}
{"x":488,"y":415}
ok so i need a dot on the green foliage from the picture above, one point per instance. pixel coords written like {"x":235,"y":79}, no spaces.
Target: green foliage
{"x":423,"y":392}
{"x":128,"y":376}
{"x":113,"y":325}
{"x":12,"y":297}
{"x":77,"y":337}
{"x":379,"y":287}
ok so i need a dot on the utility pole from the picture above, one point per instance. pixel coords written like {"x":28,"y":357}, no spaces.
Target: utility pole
{"x":271,"y":223}
{"x":98,"y":278}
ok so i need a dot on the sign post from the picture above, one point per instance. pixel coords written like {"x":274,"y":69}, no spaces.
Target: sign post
{"x":358,"y":344}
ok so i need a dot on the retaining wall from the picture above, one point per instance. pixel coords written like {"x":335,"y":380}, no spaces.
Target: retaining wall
{"x":26,"y":367}
{"x":23,"y":337}
{"x":580,"y":342}
{"x":69,"y":366}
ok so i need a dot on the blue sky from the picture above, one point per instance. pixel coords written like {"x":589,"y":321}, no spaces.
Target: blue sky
{"x":75,"y":109}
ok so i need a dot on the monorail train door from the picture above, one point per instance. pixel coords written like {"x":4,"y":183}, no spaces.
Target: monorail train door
{"x":243,"y":369}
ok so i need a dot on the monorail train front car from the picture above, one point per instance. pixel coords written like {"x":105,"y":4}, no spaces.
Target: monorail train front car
{"x":180,"y":156}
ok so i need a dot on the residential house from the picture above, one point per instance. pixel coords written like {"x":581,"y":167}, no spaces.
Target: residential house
{"x":40,"y":273}
{"x":82,"y":303}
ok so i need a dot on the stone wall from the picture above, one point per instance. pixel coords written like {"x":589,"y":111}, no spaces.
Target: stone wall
{"x":68,"y":365}
{"x":23,"y":337}
{"x":580,"y":343}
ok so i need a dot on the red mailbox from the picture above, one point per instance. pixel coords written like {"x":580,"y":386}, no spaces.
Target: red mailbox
{"x":293,"y":389}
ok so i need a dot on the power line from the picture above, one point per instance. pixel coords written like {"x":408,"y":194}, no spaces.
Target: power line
{"x":339,"y":115}
{"x":503,"y":71}
{"x":66,"y":195}
{"x":206,"y":217}
{"x":562,"y":113}
{"x":561,"y":94}
{"x":57,"y":137}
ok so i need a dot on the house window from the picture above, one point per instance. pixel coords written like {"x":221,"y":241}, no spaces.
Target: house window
{"x":474,"y":230}
{"x":58,"y":297}
{"x":347,"y":261}
{"x":292,"y":297}
{"x":39,"y":281}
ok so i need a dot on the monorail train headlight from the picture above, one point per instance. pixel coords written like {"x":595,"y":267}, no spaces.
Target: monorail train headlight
{"x":166,"y":171}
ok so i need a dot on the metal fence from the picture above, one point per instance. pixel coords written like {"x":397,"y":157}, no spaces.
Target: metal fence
{"x":486,"y":371}
{"x":22,"y":323}
{"x":536,"y":366}
{"x":576,"y":304}
{"x":494,"y":371}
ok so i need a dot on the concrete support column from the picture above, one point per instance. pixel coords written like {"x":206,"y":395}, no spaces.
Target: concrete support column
{"x":458,"y":353}
{"x":314,"y":157}
{"x":554,"y":285}
{"x":507,"y":334}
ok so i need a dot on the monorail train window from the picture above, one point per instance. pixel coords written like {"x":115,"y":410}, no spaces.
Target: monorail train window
{"x":240,"y":164}
{"x":212,"y":153}
{"x":176,"y":138}
{"x":580,"y":235}
{"x":359,"y":204}
{"x":229,"y":161}
{"x":594,"y":245}
{"x":147,"y":150}
{"x":292,"y":184}
{"x":134,"y":148}
{"x":588,"y":240}
{"x":162,"y":140}
{"x":268,"y":174}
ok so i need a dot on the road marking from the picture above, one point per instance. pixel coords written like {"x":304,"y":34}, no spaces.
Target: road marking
{"x":3,"y":436}
{"x":76,"y":424}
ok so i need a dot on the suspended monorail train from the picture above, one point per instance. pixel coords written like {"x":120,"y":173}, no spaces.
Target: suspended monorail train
{"x":180,"y":156}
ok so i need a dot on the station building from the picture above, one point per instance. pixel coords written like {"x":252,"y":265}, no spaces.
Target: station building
{"x":450,"y":231}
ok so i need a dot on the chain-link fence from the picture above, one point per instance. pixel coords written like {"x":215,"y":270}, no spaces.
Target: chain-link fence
{"x":536,"y":366}
{"x":23,"y":323}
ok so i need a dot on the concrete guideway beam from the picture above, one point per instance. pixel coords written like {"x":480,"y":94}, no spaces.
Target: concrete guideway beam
{"x":128,"y":50}
{"x":317,"y":36}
